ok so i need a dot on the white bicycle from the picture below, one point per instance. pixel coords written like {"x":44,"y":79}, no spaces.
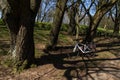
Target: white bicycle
{"x":84,"y":48}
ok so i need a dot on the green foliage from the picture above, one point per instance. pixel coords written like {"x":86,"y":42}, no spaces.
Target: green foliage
{"x":100,"y":31}
{"x":83,"y":29}
{"x":7,"y":62}
{"x":48,"y":26}
{"x":33,"y":65}
{"x":1,"y":22}
{"x":4,"y":33}
{"x":4,"y":40}
{"x":43,"y":25}
{"x":21,"y":67}
{"x":3,"y":51}
{"x":41,"y":35}
{"x":104,"y":32}
{"x":15,"y":65}
{"x":63,"y":38}
{"x":64,"y":27}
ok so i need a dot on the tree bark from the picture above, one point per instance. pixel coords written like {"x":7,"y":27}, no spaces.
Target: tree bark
{"x":20,"y":19}
{"x":117,"y":19}
{"x":10,"y":16}
{"x":57,"y":21}
{"x":72,"y":23}
{"x":72,"y":15}
{"x":95,"y":20}
{"x":116,"y":27}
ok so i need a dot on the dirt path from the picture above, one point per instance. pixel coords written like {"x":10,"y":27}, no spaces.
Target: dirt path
{"x":57,"y":66}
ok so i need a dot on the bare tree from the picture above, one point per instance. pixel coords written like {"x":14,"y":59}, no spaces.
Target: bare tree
{"x":116,"y":12}
{"x":44,"y":10}
{"x":72,"y":11}
{"x":57,"y":21}
{"x":102,"y":7}
{"x":76,"y":14}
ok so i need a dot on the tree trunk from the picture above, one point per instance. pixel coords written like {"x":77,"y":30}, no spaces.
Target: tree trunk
{"x":72,"y":15}
{"x":57,"y":21}
{"x":117,"y":19}
{"x":11,"y":18}
{"x":24,"y":49}
{"x":20,"y":19}
{"x":116,"y":27}
{"x":95,"y":20}
{"x":72,"y":23}
{"x":91,"y":32}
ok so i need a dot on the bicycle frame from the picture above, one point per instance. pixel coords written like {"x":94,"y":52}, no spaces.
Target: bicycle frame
{"x":83,"y":48}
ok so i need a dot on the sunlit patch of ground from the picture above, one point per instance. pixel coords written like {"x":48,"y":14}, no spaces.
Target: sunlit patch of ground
{"x":60,"y":66}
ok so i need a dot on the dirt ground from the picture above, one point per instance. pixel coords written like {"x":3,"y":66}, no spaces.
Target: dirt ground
{"x":62,"y":64}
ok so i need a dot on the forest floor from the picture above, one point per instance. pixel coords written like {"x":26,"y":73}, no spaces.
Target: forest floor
{"x":62,"y":64}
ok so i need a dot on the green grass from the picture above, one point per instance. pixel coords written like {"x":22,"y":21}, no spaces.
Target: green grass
{"x":4,"y":33}
{"x":41,"y":34}
{"x":1,"y":22}
{"x":104,"y":32}
{"x":43,"y":26}
{"x":64,"y":39}
{"x":4,"y":39}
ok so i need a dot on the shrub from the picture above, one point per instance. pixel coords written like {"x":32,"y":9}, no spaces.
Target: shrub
{"x":1,"y":22}
{"x":104,"y":32}
{"x":43,"y":25}
{"x":48,"y":26}
{"x":64,"y":27}
{"x":83,"y":29}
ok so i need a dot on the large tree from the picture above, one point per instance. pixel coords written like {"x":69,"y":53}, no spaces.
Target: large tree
{"x":72,"y":11}
{"x":57,"y":21}
{"x":102,"y":8}
{"x":19,"y":16}
{"x":116,"y":18}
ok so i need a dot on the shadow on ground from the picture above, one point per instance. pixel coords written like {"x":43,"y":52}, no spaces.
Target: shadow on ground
{"x":84,"y":67}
